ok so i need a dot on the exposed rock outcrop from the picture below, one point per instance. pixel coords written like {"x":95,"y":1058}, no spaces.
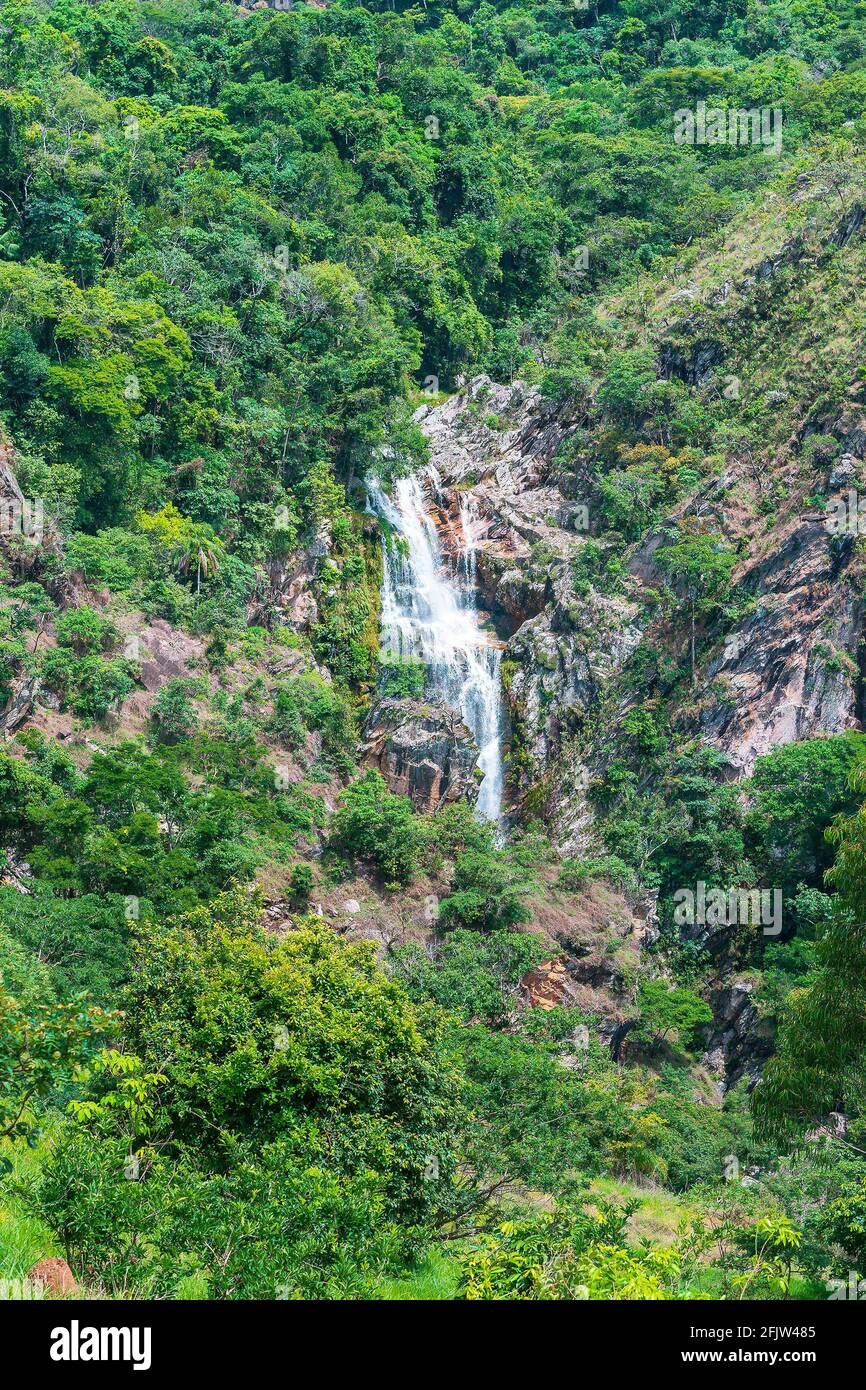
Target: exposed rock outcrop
{"x":423,"y":750}
{"x":166,"y":652}
{"x":741,"y":1039}
{"x":563,"y":660}
{"x":788,"y":665}
{"x":19,"y":704}
{"x":493,"y":450}
{"x":549,"y":985}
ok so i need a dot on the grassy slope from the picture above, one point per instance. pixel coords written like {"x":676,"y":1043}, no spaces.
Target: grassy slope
{"x":24,"y":1241}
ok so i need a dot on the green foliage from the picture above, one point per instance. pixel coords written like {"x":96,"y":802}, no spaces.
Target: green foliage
{"x":796,"y":792}
{"x":133,"y":826}
{"x":83,"y":943}
{"x":533,"y":1120}
{"x":472,"y":975}
{"x":113,"y":557}
{"x":233,"y":245}
{"x":844,"y":1221}
{"x":85,"y":631}
{"x":90,"y":686}
{"x":576,"y":872}
{"x":301,"y":1103}
{"x":173,"y":712}
{"x":667,"y":1011}
{"x":577,"y":1254}
{"x":301,"y":884}
{"x":696,"y":1141}
{"x":377,"y":827}
{"x":753,"y":1253}
{"x":403,"y":678}
{"x":307,"y":703}
{"x":688,"y":828}
{"x":433,"y":180}
{"x":699,"y":562}
{"x":818,"y":1066}
{"x":24,"y":611}
{"x":488,"y":893}
{"x":42,"y":1041}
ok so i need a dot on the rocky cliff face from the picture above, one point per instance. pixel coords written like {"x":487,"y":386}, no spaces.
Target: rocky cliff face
{"x":492,"y":449}
{"x":789,"y":670}
{"x":740,"y":1040}
{"x":494,"y":454}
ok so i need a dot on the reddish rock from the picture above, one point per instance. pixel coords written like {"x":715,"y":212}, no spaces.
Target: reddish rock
{"x":166,"y":652}
{"x":549,"y":984}
{"x":55,"y":1276}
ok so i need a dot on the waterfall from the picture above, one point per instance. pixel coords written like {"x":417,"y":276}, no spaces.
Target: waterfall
{"x":467,"y":526}
{"x":427,"y":613}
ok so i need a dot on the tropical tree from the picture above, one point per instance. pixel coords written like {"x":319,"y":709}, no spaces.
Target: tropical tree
{"x":199,"y":549}
{"x":820,"y":1061}
{"x":699,"y":560}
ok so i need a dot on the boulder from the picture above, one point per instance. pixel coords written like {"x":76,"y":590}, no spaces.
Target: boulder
{"x":549,"y":985}
{"x":423,"y":750}
{"x":54,"y":1275}
{"x":166,"y":652}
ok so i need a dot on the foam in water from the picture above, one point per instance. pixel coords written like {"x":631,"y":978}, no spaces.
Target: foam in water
{"x":428,"y":615}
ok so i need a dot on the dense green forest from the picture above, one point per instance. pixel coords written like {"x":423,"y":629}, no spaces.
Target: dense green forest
{"x":269,"y":1028}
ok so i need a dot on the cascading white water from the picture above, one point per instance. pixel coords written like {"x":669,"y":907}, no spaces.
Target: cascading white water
{"x":427,"y":614}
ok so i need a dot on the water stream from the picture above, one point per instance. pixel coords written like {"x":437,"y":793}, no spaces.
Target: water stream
{"x":429,"y":611}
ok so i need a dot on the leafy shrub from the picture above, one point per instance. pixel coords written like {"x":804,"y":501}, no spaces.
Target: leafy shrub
{"x":475,"y":975}
{"x":85,"y":631}
{"x":577,"y":872}
{"x":374,"y":825}
{"x":301,"y":884}
{"x":488,"y":892}
{"x":666,"y":1010}
{"x":403,"y":678}
{"x":85,"y":941}
{"x":302,"y":1098}
{"x":574,"y":1255}
{"x":114,"y":557}
{"x":89,"y":685}
{"x":796,"y":792}
{"x":309,"y":703}
{"x":173,"y":712}
{"x":42,"y":1041}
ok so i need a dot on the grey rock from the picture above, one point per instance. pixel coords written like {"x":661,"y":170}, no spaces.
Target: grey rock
{"x":423,"y":750}
{"x":844,"y":472}
{"x":741,"y":1040}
